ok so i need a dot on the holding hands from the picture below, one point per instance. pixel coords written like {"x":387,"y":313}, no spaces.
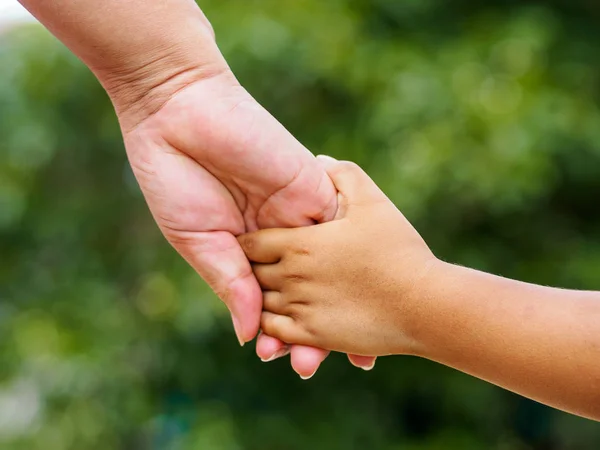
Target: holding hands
{"x":334,"y":285}
{"x":214,"y":165}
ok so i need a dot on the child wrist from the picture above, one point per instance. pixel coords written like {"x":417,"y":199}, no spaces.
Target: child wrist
{"x":424,"y":306}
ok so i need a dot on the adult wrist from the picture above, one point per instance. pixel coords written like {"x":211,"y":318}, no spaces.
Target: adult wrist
{"x":142,"y":51}
{"x":140,"y":86}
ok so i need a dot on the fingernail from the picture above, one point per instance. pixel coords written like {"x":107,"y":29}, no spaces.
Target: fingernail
{"x":367,"y":368}
{"x":279,"y":354}
{"x":308,"y":377}
{"x":238,"y":330}
{"x":326,"y":157}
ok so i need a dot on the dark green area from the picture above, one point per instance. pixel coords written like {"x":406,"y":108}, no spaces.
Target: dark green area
{"x":480,"y":119}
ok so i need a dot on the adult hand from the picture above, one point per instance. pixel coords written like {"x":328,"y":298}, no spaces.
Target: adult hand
{"x":214,"y":164}
{"x":211,"y":162}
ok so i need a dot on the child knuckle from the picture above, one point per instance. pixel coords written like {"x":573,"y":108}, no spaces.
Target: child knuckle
{"x":294,"y":311}
{"x":309,"y":328}
{"x":300,"y":300}
{"x":302,"y":250}
{"x":294,"y":277}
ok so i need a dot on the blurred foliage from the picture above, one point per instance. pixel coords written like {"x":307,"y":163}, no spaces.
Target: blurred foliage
{"x":480,"y":119}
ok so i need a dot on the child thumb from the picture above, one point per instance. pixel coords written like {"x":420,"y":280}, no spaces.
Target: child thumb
{"x":351,"y":181}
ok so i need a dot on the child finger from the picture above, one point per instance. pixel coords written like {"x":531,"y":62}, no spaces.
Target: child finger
{"x":266,"y":246}
{"x":269,"y":276}
{"x":282,"y":327}
{"x":273,"y":302}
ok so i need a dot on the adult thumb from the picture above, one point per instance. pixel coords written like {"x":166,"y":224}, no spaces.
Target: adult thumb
{"x":353,"y":184}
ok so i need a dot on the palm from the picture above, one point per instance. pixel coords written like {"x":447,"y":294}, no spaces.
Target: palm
{"x":213,"y":164}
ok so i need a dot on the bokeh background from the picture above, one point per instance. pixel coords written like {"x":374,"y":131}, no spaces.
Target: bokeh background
{"x":481,"y":120}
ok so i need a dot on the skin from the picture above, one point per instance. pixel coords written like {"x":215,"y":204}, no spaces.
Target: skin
{"x":368,"y":284}
{"x":211,"y":162}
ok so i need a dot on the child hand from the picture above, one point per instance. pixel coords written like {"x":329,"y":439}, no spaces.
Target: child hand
{"x":349,"y":285}
{"x":366,"y":284}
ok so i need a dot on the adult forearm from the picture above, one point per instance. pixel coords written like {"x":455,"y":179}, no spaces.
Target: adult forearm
{"x":140,"y":50}
{"x":540,"y":342}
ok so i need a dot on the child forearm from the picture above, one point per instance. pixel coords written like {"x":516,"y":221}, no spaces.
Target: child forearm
{"x":540,"y":342}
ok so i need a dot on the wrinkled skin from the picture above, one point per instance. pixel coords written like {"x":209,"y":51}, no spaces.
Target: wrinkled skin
{"x":213,"y":164}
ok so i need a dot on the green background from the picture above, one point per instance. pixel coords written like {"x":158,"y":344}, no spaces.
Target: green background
{"x":480,"y":119}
